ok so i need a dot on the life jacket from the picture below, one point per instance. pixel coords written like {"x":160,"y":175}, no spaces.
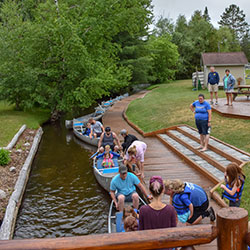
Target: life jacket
{"x":179,"y":206}
{"x":238,"y":193}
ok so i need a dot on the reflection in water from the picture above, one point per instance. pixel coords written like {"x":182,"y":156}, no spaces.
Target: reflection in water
{"x":62,"y":197}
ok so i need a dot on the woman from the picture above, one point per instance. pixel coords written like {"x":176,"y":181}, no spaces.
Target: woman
{"x":157,"y":214}
{"x":135,"y":155}
{"x":203,"y":116}
{"x":229,"y":82}
{"x":189,"y":200}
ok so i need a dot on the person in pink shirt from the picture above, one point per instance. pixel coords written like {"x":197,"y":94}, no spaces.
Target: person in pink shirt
{"x":135,"y":155}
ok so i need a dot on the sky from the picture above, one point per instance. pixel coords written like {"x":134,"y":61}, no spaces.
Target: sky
{"x":173,"y":8}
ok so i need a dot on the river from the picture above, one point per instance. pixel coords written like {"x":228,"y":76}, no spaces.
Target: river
{"x":62,"y":197}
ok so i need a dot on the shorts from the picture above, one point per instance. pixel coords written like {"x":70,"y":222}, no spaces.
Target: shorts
{"x":229,"y":90}
{"x":213,"y":87}
{"x":202,"y":126}
{"x":98,"y":134}
{"x":199,"y":211}
{"x":128,"y":198}
{"x":234,"y":203}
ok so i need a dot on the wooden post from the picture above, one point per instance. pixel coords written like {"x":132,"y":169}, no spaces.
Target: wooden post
{"x":232,"y":225}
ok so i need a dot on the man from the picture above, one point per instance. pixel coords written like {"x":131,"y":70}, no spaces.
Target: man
{"x":124,"y":183}
{"x":128,"y":139}
{"x":108,"y":138}
{"x":96,"y":128}
{"x":213,"y":81}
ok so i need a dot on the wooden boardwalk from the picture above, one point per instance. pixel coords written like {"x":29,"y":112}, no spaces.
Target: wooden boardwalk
{"x":240,"y":108}
{"x":159,"y":160}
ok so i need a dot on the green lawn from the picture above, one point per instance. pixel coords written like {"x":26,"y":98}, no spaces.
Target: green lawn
{"x":248,"y":73}
{"x":12,"y":120}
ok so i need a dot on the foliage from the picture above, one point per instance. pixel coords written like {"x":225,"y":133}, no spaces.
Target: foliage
{"x":65,"y":56}
{"x":4,"y":157}
{"x":206,"y":16}
{"x":165,"y":56}
{"x":163,"y":26}
{"x":234,"y":18}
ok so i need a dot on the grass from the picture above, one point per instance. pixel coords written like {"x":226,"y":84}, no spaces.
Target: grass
{"x":12,"y":120}
{"x":248,"y":73}
{"x":168,"y":105}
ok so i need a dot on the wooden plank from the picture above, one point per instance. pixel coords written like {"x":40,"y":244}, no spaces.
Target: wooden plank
{"x":147,"y":239}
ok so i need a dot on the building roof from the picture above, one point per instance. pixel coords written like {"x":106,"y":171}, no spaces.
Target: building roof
{"x":228,"y":58}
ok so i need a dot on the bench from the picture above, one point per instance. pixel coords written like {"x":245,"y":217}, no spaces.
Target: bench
{"x":235,"y":93}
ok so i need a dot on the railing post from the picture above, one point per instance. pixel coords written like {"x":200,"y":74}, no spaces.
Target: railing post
{"x":232,"y":225}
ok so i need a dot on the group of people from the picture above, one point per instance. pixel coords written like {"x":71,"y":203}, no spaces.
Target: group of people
{"x":189,"y":202}
{"x":228,"y":83}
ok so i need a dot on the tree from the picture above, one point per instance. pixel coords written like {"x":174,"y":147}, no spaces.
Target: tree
{"x":163,"y":26}
{"x":245,"y":45}
{"x":234,"y":18}
{"x":206,"y":15}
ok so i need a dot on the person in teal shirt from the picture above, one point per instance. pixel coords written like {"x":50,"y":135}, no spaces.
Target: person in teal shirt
{"x":123,"y":188}
{"x":229,"y":82}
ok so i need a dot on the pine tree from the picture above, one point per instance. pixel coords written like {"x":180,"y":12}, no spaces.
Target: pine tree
{"x":234,"y":18}
{"x":206,"y":15}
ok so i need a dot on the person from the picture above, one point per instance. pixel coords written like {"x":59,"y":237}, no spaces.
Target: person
{"x":135,"y":155}
{"x":96,"y":128}
{"x":234,"y":179}
{"x":122,"y":188}
{"x":203,"y":116}
{"x":189,"y":198}
{"x":229,"y":82}
{"x":130,"y":224}
{"x":107,"y":160}
{"x":128,"y":210}
{"x":213,"y":80}
{"x":87,"y":131}
{"x":128,"y":139}
{"x":107,"y":138}
{"x":157,"y":214}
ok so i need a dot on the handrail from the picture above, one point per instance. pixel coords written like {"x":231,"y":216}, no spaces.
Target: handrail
{"x":147,"y":239}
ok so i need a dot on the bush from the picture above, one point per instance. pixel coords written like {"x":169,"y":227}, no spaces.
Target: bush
{"x":4,"y":157}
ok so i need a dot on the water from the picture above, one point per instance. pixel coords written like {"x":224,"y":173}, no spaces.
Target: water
{"x":62,"y":197}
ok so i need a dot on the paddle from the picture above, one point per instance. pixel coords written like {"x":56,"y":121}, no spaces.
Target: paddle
{"x":94,"y":154}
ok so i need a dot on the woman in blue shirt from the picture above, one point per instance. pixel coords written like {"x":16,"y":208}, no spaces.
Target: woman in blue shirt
{"x":203,"y":115}
{"x":229,"y":82}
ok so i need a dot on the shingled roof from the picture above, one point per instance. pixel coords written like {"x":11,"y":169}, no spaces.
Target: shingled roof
{"x":228,"y":58}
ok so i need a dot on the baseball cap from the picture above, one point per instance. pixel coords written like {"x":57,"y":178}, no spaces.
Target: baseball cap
{"x":107,"y":129}
{"x":123,"y":169}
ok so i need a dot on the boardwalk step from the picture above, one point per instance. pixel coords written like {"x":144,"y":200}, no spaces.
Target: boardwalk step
{"x":229,"y":150}
{"x":218,"y":175}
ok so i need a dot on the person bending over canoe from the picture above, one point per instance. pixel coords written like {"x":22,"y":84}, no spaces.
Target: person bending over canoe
{"x":122,"y":188}
{"x":135,"y":155}
{"x":128,"y":139}
{"x":96,"y":128}
{"x":109,"y":138}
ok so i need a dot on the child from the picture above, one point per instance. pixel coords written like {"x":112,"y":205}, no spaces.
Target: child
{"x":235,"y":180}
{"x":128,"y":210}
{"x":87,"y":130}
{"x":130,"y":224}
{"x":107,"y":158}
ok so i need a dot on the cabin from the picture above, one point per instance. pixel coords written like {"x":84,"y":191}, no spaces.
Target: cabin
{"x":234,"y":61}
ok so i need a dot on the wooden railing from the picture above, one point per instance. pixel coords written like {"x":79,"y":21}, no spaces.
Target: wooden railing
{"x":231,"y":231}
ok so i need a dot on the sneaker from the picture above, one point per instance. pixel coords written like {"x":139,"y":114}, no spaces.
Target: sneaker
{"x":211,"y":214}
{"x":211,"y":102}
{"x":216,"y":103}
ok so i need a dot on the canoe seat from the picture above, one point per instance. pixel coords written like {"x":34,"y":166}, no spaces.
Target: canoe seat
{"x":79,"y":124}
{"x":110,"y":170}
{"x":119,"y":222}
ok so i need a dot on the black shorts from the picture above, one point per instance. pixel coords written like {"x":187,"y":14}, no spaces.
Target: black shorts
{"x":202,"y":126}
{"x":199,"y":211}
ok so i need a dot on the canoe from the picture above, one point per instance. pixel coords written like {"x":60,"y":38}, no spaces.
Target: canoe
{"x":105,"y":175}
{"x":115,"y":224}
{"x":77,"y":130}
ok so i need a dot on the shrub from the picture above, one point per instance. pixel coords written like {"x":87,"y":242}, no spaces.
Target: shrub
{"x":4,"y":157}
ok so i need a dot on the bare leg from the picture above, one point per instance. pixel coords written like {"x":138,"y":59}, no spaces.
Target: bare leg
{"x":211,"y":96}
{"x":231,"y":98}
{"x":227,"y":98}
{"x":135,"y":199}
{"x":216,"y":96}
{"x":206,"y":139}
{"x":121,"y":199}
{"x":202,"y":140}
